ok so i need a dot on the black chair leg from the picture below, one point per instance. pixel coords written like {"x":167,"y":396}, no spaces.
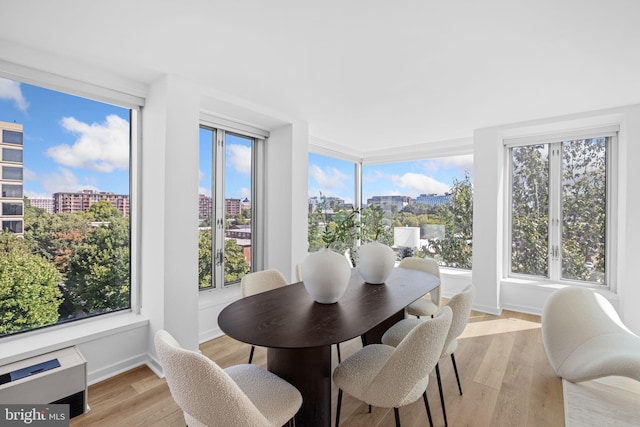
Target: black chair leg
{"x":426,"y":405}
{"x":369,"y":408}
{"x":397,"y":414}
{"x":338,"y":407}
{"x":251,"y":354}
{"x":339,"y":357}
{"x":444,"y":411}
{"x":455,"y":368}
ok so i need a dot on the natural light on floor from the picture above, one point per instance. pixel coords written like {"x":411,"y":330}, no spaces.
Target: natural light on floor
{"x":497,"y":326}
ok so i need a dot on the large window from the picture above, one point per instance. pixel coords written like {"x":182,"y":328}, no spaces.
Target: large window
{"x":428,"y":204}
{"x":331,"y":192}
{"x":226,"y":211}
{"x":72,"y":260}
{"x":560,"y":199}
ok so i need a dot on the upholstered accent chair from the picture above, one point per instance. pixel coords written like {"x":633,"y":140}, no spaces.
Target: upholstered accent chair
{"x":238,"y":396}
{"x":261,"y":281}
{"x":392,"y":377}
{"x":585,"y":339}
{"x":428,"y":305}
{"x":461,"y":305}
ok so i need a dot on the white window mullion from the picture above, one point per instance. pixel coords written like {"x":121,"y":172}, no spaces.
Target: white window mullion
{"x":218,"y":209}
{"x":555,"y":211}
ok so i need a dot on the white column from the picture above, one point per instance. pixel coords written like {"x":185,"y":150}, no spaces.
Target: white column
{"x":169,"y":218}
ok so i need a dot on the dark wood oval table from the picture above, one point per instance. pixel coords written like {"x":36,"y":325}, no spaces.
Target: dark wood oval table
{"x":298,"y":332}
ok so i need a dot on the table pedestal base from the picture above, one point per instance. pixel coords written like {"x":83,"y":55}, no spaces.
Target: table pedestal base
{"x":309,"y":370}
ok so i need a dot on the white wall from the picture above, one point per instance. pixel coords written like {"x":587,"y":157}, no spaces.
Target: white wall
{"x":286,"y":198}
{"x":169,"y":217}
{"x":495,"y":291}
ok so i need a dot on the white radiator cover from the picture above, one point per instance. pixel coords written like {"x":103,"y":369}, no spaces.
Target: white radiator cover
{"x":68,"y":381}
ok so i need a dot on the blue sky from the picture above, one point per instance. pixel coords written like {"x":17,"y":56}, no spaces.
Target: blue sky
{"x":237,"y":178}
{"x":70,"y":143}
{"x":334,"y":177}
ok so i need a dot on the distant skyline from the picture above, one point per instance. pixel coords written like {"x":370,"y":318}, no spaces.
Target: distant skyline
{"x":335,"y":177}
{"x":70,"y":143}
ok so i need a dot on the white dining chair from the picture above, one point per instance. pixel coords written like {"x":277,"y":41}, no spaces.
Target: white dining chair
{"x":299,"y":279}
{"x":261,"y":281}
{"x":392,"y":377}
{"x":460,"y":305}
{"x":428,"y":305}
{"x":238,"y":396}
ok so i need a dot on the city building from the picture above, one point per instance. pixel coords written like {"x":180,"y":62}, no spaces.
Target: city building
{"x":45,"y":203}
{"x":232,"y":207}
{"x":388,"y":202}
{"x":205,"y":206}
{"x":11,"y":177}
{"x":69,"y":202}
{"x":433,"y":199}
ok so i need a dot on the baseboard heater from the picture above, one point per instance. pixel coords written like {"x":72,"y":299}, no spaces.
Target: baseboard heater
{"x":56,"y":377}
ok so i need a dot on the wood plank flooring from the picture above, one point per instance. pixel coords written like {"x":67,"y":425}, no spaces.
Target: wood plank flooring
{"x":506,"y":381}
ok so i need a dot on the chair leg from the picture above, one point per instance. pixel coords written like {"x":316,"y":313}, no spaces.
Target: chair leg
{"x":251,"y":354}
{"x":339,"y":357}
{"x":426,"y":404}
{"x":338,"y":407}
{"x":369,"y":408}
{"x":455,"y":368}
{"x":444,"y":411}
{"x":397,"y":414}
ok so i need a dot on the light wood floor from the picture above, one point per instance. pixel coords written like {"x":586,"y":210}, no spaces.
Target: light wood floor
{"x":506,"y":381}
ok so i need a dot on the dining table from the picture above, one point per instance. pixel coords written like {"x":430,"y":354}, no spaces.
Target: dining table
{"x":299,"y":332}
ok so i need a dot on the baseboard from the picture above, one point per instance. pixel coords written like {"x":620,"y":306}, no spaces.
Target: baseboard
{"x":107,"y":372}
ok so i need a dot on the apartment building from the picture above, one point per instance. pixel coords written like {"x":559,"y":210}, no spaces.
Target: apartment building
{"x":11,"y":179}
{"x":81,"y":201}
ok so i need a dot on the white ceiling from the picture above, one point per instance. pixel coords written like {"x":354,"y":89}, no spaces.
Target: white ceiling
{"x":367,"y":74}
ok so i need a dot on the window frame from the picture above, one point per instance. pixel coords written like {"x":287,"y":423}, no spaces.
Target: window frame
{"x":220,"y":127}
{"x":119,"y":97}
{"x":555,"y":140}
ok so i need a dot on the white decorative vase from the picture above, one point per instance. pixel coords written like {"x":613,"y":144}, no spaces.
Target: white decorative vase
{"x":375,"y":262}
{"x":326,"y":275}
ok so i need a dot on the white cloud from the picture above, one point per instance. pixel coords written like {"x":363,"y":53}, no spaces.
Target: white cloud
{"x":11,"y":90}
{"x":34,"y":195}
{"x":328,"y":178}
{"x":64,"y":180}
{"x":205,"y":191}
{"x":99,"y":147}
{"x":239,"y":157}
{"x":461,"y":163}
{"x":29,"y":175}
{"x":420,"y":183}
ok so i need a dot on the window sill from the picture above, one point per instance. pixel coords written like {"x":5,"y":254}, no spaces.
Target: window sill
{"x":550,"y":286}
{"x":45,"y":340}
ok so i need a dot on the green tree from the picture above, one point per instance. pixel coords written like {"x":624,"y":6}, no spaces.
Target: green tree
{"x":29,"y":294}
{"x":235,"y":264}
{"x":98,"y":278}
{"x":375,"y":227}
{"x":455,"y":249}
{"x":583,"y":208}
{"x":530,"y":210}
{"x":104,"y":211}
{"x":55,"y":237}
{"x":205,"y":259}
